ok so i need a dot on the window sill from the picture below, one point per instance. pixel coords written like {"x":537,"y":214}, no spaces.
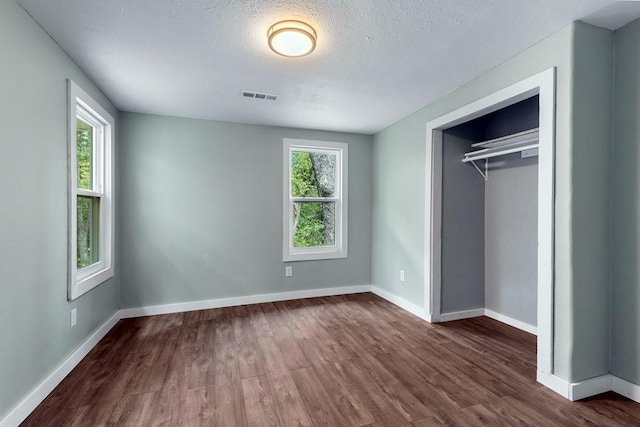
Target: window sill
{"x":314,"y":256}
{"x":85,"y":284}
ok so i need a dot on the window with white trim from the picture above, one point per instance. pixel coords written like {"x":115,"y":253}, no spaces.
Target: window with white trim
{"x":91,"y":234}
{"x":315,"y":200}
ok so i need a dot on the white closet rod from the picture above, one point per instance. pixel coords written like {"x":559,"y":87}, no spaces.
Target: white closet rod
{"x":515,"y":143}
{"x":486,"y":154}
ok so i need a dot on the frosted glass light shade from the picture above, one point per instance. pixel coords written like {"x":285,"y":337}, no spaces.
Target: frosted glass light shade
{"x":292,"y":38}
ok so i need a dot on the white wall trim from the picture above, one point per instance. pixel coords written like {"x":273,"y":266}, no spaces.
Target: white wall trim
{"x":554,"y":383}
{"x":590,"y":387}
{"x":21,"y":411}
{"x":518,"y":324}
{"x":625,"y":388}
{"x":467,"y":314}
{"x":126,"y":313}
{"x":402,"y":303}
{"x":458,"y":315}
{"x":447,"y":317}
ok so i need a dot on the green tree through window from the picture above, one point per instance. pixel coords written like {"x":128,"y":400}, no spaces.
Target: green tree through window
{"x":313,"y":221}
{"x":87,"y":250}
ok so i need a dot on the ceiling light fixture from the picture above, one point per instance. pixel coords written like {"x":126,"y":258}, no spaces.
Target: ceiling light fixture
{"x":292,"y":38}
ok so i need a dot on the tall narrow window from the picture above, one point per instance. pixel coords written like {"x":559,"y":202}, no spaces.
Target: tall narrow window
{"x":315,"y":200}
{"x":91,"y":134}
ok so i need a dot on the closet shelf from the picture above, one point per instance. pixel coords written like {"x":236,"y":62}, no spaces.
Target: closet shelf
{"x":515,"y":143}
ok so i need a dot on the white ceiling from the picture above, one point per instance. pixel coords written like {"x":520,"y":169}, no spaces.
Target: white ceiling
{"x":376,"y":60}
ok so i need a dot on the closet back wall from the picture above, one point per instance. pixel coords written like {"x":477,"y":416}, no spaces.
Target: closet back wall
{"x":511,"y":219}
{"x":511,"y":238}
{"x":201,"y":211}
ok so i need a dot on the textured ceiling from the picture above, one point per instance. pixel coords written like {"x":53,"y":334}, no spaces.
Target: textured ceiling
{"x":376,"y":61}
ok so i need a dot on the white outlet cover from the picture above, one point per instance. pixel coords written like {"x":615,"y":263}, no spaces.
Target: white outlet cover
{"x":74,"y":317}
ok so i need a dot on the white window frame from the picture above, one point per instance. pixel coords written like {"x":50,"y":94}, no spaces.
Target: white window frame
{"x":339,"y":249}
{"x":82,"y":105}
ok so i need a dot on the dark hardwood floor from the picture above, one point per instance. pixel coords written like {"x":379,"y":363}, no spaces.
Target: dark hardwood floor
{"x":338,"y":361}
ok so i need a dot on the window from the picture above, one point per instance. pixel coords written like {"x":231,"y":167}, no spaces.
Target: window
{"x":91,"y":134}
{"x":315,"y":200}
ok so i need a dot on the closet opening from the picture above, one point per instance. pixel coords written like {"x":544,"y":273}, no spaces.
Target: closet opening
{"x":490,"y":217}
{"x":489,"y":224}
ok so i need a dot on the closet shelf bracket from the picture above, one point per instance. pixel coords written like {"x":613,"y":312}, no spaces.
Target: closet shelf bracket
{"x":525,"y":143}
{"x":484,"y":174}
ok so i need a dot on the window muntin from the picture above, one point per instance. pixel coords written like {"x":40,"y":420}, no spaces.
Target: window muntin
{"x":315,"y":200}
{"x":91,"y":133}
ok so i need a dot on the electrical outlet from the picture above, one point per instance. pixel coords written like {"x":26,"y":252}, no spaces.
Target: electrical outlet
{"x":402,"y":275}
{"x":288,"y":271}
{"x":74,"y":317}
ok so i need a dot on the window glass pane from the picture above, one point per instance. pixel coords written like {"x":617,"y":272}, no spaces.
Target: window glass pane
{"x":313,"y":174}
{"x":314,"y":224}
{"x":88,"y":230}
{"x":84,"y":153}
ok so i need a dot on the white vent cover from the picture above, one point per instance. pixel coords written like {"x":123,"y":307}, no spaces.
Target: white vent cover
{"x":258,"y":95}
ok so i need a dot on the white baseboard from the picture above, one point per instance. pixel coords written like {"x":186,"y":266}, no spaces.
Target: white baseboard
{"x":518,"y":324}
{"x":625,"y":388}
{"x":458,"y":315}
{"x":554,"y":383}
{"x":402,"y":303}
{"x":590,"y":387}
{"x":126,"y":313}
{"x":37,"y":395}
{"x":467,"y":314}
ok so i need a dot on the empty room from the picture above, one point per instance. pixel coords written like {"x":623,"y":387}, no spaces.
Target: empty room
{"x":339,"y":213}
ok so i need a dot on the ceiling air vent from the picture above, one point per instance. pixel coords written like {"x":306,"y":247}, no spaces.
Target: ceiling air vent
{"x":259,"y":95}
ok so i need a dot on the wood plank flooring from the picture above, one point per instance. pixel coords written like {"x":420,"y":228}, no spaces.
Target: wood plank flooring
{"x":337,"y":361}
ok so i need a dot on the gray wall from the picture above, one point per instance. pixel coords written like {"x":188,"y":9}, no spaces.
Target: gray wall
{"x":582,"y":55}
{"x":201,"y":211}
{"x":462,"y":224}
{"x":511,"y":237}
{"x":625,"y":361}
{"x":590,"y":199}
{"x":34,"y":313}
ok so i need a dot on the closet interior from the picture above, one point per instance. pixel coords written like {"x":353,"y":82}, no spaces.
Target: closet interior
{"x":490,"y":214}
